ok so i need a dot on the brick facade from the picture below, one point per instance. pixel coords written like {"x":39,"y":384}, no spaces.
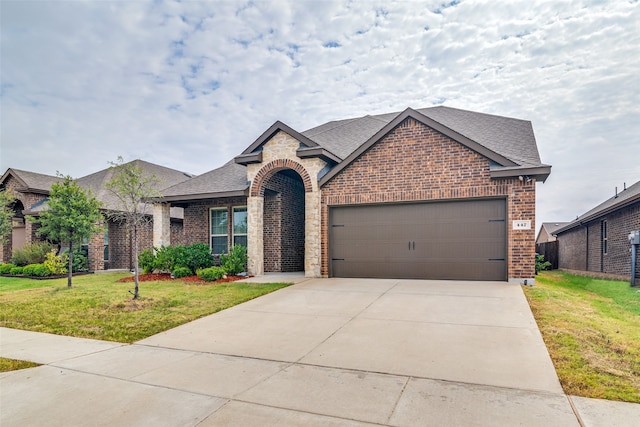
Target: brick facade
{"x":581,"y":248}
{"x":283,"y":224}
{"x":196,"y":219}
{"x":416,"y":163}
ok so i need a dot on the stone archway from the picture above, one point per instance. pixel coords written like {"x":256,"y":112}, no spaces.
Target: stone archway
{"x":281,"y":176}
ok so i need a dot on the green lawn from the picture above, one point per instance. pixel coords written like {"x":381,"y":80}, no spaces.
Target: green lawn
{"x":99,"y":307}
{"x":14,"y":365}
{"x":592,"y":330}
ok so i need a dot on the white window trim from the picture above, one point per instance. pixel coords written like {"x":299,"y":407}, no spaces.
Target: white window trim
{"x":233,"y":225}
{"x":211,"y":234}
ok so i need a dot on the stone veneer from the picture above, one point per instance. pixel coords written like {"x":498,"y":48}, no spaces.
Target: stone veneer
{"x":279,"y":153}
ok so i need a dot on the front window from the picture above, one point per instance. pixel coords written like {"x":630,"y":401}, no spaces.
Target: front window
{"x":605,"y":239}
{"x":219,"y":230}
{"x":240,"y":225}
{"x":106,"y":244}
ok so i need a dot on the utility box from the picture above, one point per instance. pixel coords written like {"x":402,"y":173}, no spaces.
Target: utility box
{"x":634,"y":237}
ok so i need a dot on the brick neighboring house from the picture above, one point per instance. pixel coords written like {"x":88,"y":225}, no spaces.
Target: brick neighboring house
{"x":110,"y":249}
{"x":547,"y":231}
{"x":434,"y":193}
{"x":597,"y":241}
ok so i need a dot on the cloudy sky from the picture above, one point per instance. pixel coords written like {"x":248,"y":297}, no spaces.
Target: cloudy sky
{"x":191,"y":84}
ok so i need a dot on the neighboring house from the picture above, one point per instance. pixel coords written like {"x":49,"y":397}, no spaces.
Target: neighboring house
{"x":434,"y":193}
{"x":29,"y":188}
{"x":597,"y":241}
{"x":110,"y":249}
{"x":547,"y":231}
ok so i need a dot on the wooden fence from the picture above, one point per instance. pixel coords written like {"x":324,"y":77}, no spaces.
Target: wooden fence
{"x":550,"y":252}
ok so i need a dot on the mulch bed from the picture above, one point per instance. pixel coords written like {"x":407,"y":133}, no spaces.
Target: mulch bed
{"x":189,"y":279}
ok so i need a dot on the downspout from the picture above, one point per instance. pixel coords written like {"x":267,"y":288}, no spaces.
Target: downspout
{"x":586,"y":261}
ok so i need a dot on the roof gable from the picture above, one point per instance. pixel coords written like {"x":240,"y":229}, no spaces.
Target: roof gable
{"x":427,"y":121}
{"x":30,"y":182}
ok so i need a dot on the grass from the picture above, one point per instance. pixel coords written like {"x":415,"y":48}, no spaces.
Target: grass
{"x":99,"y":307}
{"x":13,"y":365}
{"x":591,"y":328}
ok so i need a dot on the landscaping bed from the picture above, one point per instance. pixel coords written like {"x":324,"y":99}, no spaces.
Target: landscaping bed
{"x":189,"y":279}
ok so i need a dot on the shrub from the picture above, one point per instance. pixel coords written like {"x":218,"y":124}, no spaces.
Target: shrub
{"x":211,"y":274}
{"x":56,"y":264}
{"x":40,"y":270}
{"x":234,"y":262}
{"x":16,"y":271}
{"x":6,"y":268}
{"x":80,"y":261}
{"x":27,"y":270}
{"x":196,"y":257}
{"x":541,"y":264}
{"x":168,"y":257}
{"x":181,"y":272}
{"x":35,"y":253}
{"x":147,"y":261}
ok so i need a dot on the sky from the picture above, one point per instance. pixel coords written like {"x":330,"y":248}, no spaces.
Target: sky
{"x":191,"y":84}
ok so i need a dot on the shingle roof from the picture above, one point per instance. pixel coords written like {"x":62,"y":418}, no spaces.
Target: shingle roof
{"x":229,"y":179}
{"x":624,"y":198}
{"x":552,"y":227}
{"x":32,"y":181}
{"x":509,"y":137}
{"x":96,"y":182}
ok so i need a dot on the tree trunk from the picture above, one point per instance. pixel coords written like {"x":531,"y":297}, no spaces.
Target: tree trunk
{"x":70,"y":267}
{"x":135,"y":261}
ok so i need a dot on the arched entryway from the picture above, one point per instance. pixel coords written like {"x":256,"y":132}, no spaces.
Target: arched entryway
{"x":18,"y":230}
{"x":283,"y":210}
{"x":283,"y":216}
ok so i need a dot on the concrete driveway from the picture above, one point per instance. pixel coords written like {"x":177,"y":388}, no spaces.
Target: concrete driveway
{"x":321,"y":352}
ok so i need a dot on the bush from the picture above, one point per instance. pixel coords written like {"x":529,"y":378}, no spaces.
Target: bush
{"x":16,"y":271}
{"x":40,"y":270}
{"x":35,"y":253}
{"x":147,"y":261}
{"x":80,"y":261}
{"x":211,"y":274}
{"x":196,"y":257}
{"x":6,"y":268}
{"x":234,"y":262}
{"x":27,"y":270}
{"x":168,"y":257}
{"x":56,"y":264}
{"x":181,"y":272}
{"x":541,"y":264}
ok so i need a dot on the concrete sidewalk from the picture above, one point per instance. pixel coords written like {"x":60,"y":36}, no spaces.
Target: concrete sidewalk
{"x":322,"y":352}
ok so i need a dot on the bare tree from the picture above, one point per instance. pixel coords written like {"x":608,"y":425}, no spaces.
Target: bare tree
{"x":131,"y":185}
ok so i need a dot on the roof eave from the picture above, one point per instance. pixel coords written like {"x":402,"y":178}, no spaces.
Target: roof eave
{"x":246,"y":159}
{"x":319,"y":152}
{"x":201,"y":196}
{"x":599,"y":214}
{"x":540,"y":173}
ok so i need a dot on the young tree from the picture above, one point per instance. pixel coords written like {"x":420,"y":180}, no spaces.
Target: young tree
{"x":132,"y":185}
{"x":72,"y":215}
{"x":6,"y":215}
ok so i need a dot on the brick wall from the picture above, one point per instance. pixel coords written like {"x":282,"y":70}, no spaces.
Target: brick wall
{"x":27,"y":200}
{"x":283,"y":228}
{"x":196,"y":219}
{"x":416,"y":163}
{"x":580,"y":249}
{"x":121,"y":243}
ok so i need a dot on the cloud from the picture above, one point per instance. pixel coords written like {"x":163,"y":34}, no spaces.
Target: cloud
{"x":191,"y":84}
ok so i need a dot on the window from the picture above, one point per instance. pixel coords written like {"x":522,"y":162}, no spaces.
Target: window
{"x":106,"y":244}
{"x":219,"y":230}
{"x":240,"y":225}
{"x":605,"y":243}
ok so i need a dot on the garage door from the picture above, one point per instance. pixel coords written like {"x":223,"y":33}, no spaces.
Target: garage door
{"x":462,"y":240}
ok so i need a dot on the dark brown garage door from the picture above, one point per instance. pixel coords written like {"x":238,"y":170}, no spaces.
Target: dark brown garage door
{"x":463,"y":240}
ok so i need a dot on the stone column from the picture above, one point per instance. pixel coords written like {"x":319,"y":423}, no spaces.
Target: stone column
{"x":161,"y":224}
{"x":312,"y":243}
{"x":255,"y":236}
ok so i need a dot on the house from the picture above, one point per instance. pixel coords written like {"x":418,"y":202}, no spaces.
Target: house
{"x":29,"y":189}
{"x":433,"y":193}
{"x":597,"y":241}
{"x":110,"y":249}
{"x":547,"y":231}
